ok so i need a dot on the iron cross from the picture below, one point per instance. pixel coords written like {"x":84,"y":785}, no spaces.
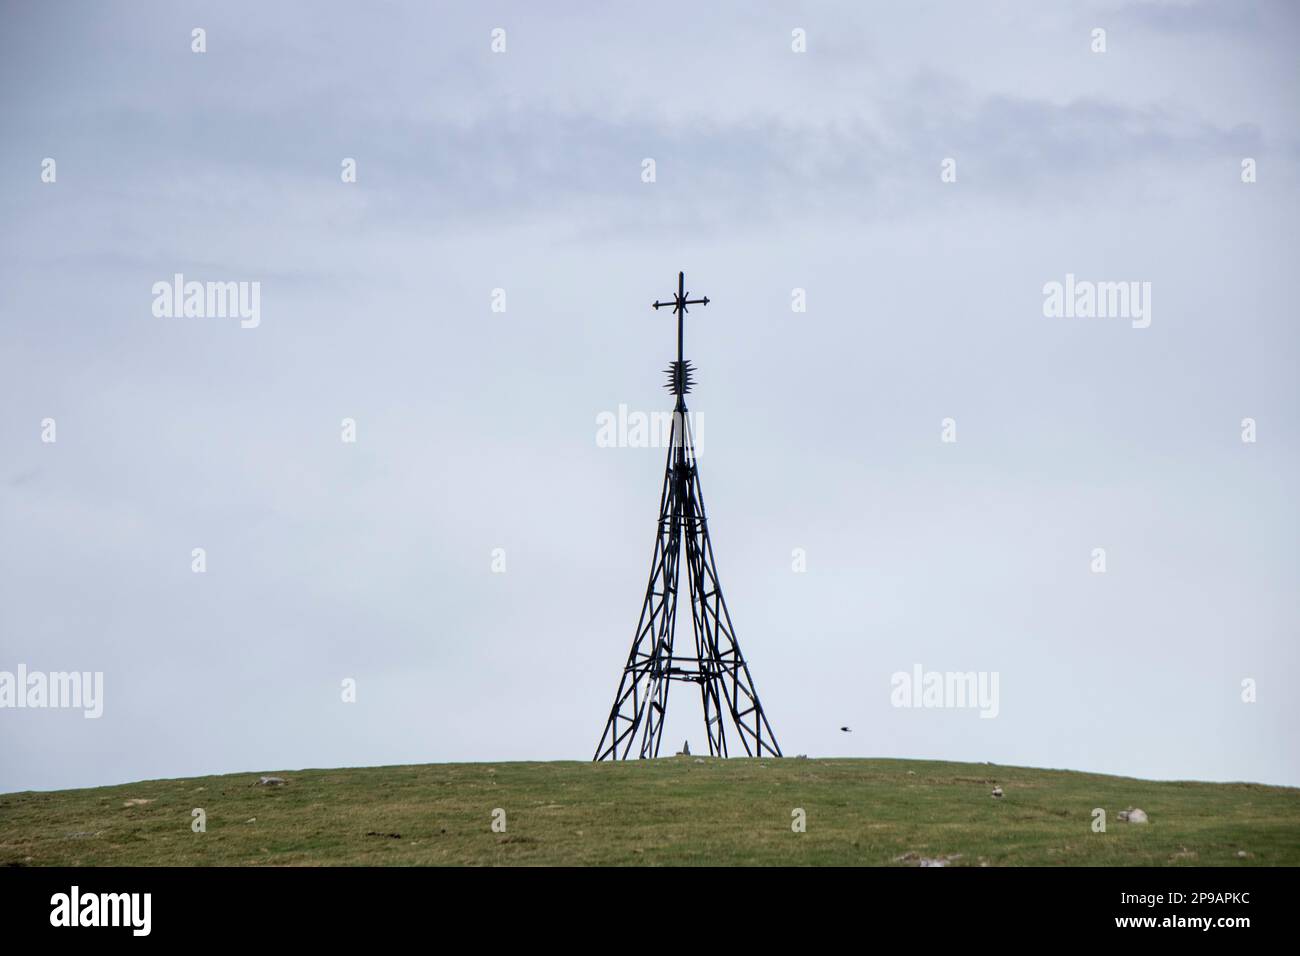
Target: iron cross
{"x":679,"y":304}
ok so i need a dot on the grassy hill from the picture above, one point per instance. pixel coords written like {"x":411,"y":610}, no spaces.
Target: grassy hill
{"x":683,"y":810}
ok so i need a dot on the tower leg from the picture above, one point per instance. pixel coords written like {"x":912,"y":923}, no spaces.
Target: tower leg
{"x":727,"y":677}
{"x":642,"y":697}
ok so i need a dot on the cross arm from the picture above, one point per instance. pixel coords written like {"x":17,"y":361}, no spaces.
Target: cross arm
{"x":679,"y":302}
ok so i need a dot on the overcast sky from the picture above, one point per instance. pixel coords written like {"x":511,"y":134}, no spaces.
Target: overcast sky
{"x":476,"y":430}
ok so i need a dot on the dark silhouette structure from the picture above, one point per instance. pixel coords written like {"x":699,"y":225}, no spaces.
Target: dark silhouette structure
{"x":716,"y":665}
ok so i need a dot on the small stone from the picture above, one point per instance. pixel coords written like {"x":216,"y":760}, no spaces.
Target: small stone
{"x":251,"y":820}
{"x":1242,"y":854}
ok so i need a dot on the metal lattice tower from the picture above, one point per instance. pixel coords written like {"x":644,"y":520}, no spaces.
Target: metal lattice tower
{"x":716,"y":664}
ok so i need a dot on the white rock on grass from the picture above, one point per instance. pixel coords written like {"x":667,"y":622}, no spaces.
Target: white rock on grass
{"x":914,"y":859}
{"x":1133,"y":815}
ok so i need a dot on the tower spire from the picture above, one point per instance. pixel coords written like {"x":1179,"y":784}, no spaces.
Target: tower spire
{"x":679,"y":378}
{"x":716,"y":665}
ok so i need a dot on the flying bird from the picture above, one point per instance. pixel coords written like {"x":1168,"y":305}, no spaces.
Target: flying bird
{"x":847,"y":730}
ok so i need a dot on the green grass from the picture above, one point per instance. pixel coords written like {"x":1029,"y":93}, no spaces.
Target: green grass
{"x":684,"y":810}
